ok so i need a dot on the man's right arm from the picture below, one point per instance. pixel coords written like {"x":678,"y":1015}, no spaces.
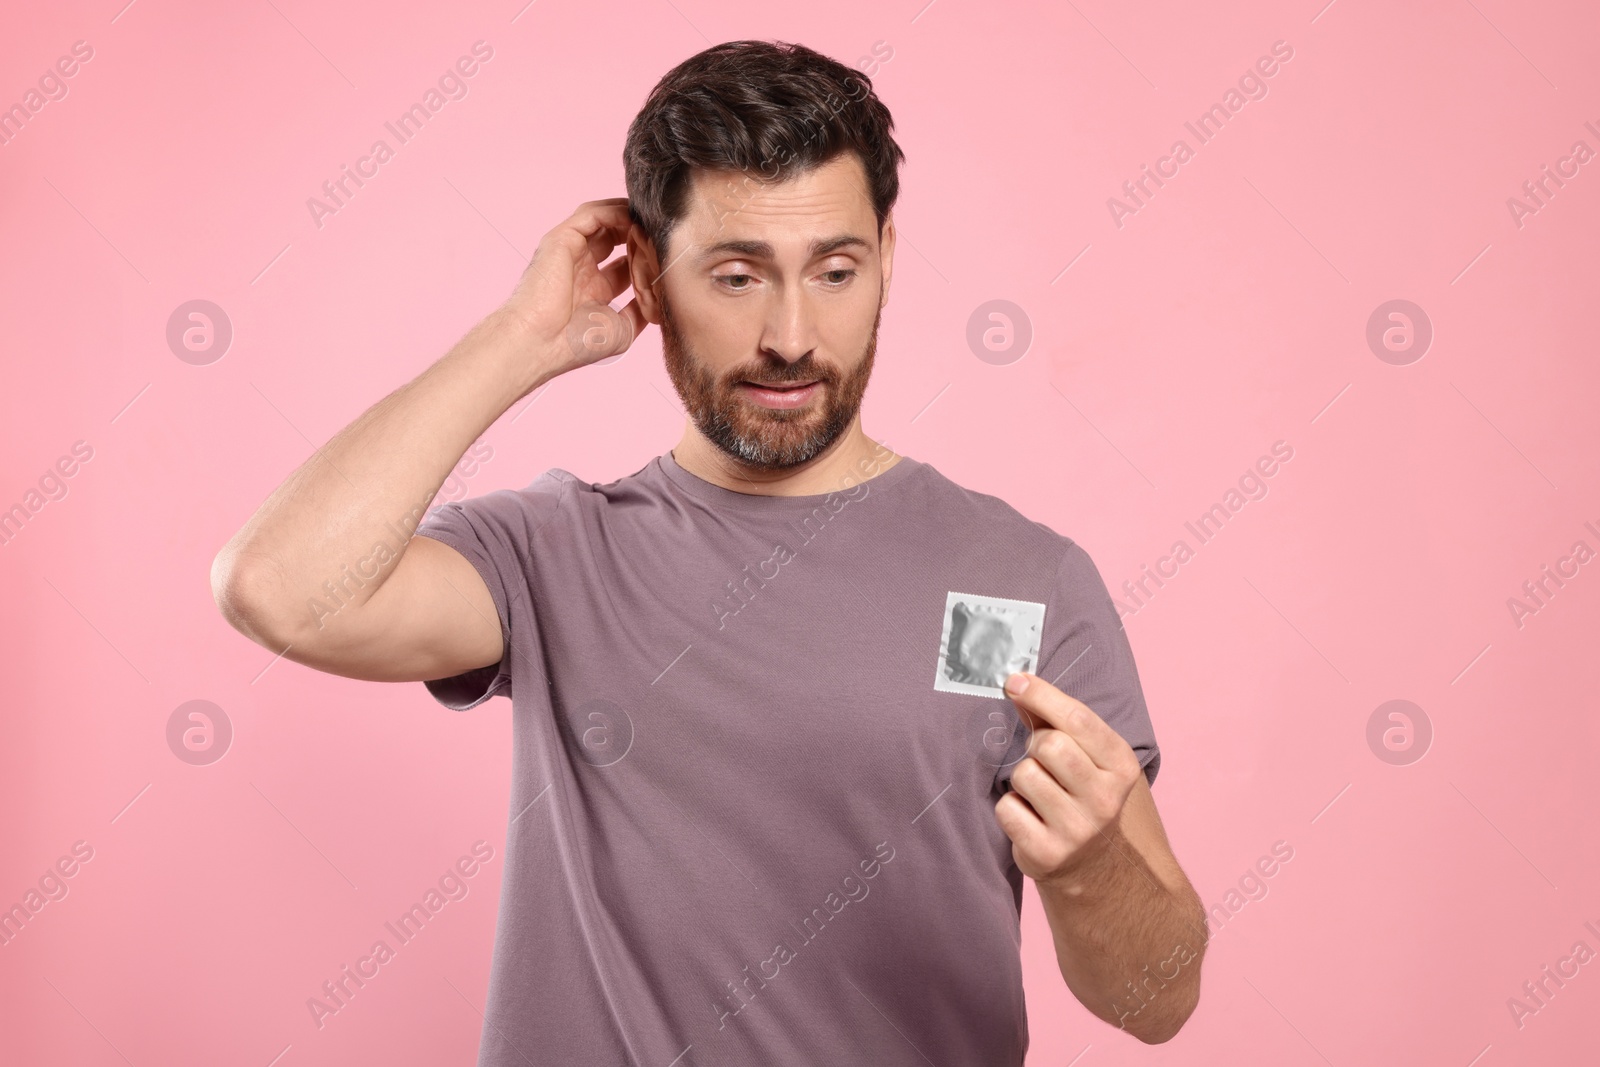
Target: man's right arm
{"x":425,"y":613}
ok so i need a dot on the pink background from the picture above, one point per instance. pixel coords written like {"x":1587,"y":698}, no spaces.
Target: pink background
{"x":1228,"y":313}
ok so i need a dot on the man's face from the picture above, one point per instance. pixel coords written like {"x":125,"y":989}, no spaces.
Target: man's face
{"x":770,"y":300}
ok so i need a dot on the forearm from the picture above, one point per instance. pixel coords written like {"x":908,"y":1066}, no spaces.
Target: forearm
{"x":376,"y":475}
{"x":1129,"y":946}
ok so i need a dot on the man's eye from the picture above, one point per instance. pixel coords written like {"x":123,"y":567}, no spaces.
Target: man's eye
{"x":728,"y":279}
{"x":846,"y":275}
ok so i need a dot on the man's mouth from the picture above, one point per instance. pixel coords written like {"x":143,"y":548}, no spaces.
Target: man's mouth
{"x":781,"y":394}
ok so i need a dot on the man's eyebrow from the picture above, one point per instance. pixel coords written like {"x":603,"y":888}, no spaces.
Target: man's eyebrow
{"x":763,"y":250}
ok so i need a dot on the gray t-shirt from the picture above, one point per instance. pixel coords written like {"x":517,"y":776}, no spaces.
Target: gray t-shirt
{"x":745,"y":825}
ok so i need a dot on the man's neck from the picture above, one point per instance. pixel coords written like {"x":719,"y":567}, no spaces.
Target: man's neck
{"x":850,"y":460}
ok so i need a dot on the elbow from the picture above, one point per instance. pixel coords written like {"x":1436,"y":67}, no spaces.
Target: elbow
{"x":1158,"y":1029}
{"x":241,"y":592}
{"x":231,"y":586}
{"x":1169,"y":1027}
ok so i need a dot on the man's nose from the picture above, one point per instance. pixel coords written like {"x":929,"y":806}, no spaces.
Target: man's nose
{"x":790,"y":329}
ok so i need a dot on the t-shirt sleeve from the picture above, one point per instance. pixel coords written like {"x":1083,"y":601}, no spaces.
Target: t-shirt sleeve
{"x":495,"y":532}
{"x":1088,"y":657}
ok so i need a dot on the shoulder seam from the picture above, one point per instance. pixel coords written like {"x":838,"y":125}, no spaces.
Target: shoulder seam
{"x":568,"y":481}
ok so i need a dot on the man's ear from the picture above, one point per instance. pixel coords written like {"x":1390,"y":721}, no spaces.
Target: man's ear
{"x":645,"y":271}
{"x":886,"y":255}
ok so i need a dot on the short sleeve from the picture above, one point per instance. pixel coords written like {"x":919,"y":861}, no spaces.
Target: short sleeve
{"x":1088,"y":657}
{"x":495,"y":532}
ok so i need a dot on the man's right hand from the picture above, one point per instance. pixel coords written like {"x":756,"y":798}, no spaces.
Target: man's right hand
{"x":563,"y":300}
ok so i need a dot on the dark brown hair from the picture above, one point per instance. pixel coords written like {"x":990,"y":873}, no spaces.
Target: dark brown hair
{"x":769,"y":109}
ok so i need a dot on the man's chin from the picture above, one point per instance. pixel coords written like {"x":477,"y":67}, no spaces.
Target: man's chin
{"x":777,"y":452}
{"x":774,"y":440}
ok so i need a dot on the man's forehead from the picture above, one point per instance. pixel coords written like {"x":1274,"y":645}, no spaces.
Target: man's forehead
{"x":823,"y":209}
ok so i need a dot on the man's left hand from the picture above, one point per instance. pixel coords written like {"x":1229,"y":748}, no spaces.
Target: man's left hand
{"x":1075,"y":779}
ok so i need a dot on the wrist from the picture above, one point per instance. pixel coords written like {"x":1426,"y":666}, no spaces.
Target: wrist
{"x":502,"y":346}
{"x":1092,"y":873}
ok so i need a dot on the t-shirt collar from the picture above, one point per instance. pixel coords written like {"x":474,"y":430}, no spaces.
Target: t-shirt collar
{"x":716,"y":495}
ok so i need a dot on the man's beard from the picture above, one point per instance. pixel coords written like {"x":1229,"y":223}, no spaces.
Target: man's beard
{"x":765,"y":438}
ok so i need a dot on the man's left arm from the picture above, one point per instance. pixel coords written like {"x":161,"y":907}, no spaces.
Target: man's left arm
{"x":1129,"y":929}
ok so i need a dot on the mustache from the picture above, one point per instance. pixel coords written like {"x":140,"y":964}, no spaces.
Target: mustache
{"x":803,"y":370}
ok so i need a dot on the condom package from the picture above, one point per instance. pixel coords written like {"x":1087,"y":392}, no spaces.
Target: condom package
{"x":986,"y":640}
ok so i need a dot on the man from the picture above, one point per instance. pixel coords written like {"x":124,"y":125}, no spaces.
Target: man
{"x":771,"y":798}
